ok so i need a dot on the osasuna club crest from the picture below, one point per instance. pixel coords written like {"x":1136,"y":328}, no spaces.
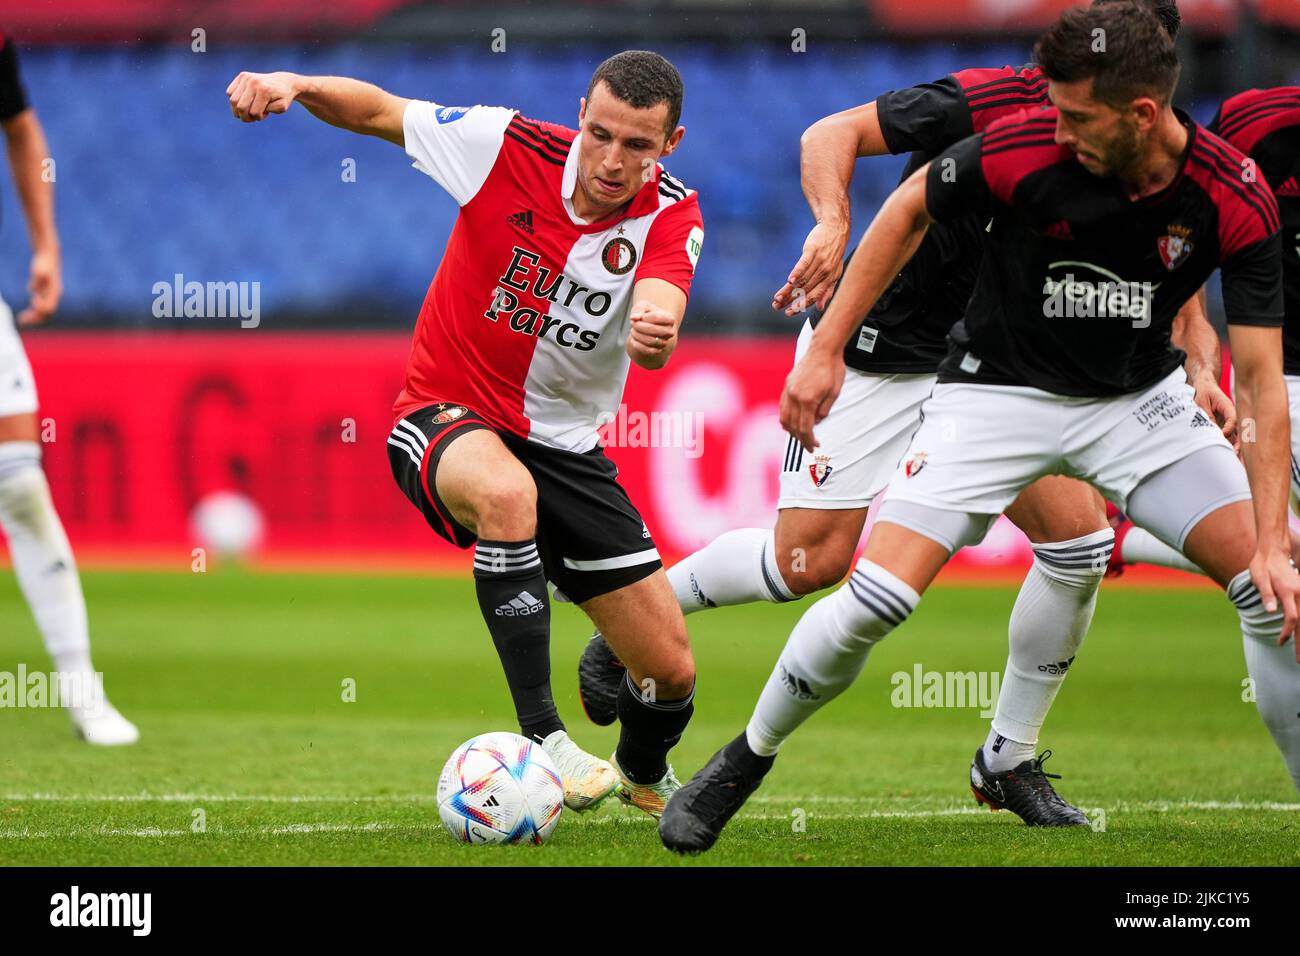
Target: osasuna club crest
{"x":1175,"y":247}
{"x":820,"y":470}
{"x":448,"y":413}
{"x":618,"y":256}
{"x":913,"y":466}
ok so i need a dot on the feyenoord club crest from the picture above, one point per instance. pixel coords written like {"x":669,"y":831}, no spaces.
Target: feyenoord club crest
{"x":618,"y":256}
{"x":1174,"y":248}
{"x":914,"y":464}
{"x":448,"y":413}
{"x":820,"y":470}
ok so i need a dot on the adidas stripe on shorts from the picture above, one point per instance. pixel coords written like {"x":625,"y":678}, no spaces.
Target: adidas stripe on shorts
{"x":860,"y":441}
{"x":589,"y":536}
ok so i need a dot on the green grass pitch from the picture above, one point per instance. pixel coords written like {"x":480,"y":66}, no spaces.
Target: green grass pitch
{"x":236,"y":681}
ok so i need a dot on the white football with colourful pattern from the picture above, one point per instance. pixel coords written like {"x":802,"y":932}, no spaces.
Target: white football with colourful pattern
{"x":500,"y":788}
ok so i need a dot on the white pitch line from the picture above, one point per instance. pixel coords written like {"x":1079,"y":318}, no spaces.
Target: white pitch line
{"x":303,"y":829}
{"x":211,"y":798}
{"x":792,"y":801}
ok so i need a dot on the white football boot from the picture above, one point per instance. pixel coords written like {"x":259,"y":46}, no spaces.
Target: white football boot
{"x":587,"y":779}
{"x":98,"y":722}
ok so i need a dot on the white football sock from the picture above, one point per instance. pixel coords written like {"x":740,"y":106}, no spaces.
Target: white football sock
{"x":1048,"y":623}
{"x":738,"y":567}
{"x":826,"y":652}
{"x":1273,"y":670}
{"x":1142,"y":547}
{"x":42,"y":558}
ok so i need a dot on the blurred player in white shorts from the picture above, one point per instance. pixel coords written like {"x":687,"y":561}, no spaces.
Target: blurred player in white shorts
{"x":891,"y":359}
{"x":38,"y":546}
{"x":1062,"y":365}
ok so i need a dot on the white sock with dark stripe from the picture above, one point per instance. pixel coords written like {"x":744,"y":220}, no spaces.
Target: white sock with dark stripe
{"x":1272,"y":669}
{"x":511,"y":588}
{"x":738,"y":567}
{"x":1142,"y":547}
{"x":1048,"y":623}
{"x":827,"y":651}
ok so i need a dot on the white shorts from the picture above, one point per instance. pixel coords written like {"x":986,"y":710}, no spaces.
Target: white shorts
{"x":1293,"y":394}
{"x":17,"y":386}
{"x":861,"y":440}
{"x":981,"y":445}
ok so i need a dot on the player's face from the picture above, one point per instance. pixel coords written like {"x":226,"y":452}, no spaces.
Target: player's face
{"x":620,"y":145}
{"x":1104,"y":139}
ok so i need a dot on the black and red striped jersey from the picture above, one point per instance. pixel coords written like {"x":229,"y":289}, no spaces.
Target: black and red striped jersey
{"x":907,"y":329}
{"x":1079,"y":285}
{"x":13,"y":99}
{"x":1265,"y":126}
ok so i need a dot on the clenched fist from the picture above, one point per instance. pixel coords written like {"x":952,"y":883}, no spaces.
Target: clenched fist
{"x":653,"y":336}
{"x":255,"y":96}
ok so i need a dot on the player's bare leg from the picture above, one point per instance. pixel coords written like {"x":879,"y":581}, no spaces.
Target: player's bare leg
{"x":645,"y":627}
{"x":47,"y":574}
{"x":489,"y":491}
{"x":1065,"y":520}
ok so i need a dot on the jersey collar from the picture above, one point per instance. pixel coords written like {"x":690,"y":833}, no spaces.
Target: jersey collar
{"x":643,"y":203}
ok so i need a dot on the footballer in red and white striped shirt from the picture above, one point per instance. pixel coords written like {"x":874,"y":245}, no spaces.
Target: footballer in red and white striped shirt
{"x":572,"y":257}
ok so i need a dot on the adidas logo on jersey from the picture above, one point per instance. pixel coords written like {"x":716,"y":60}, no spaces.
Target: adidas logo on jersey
{"x":520,"y":605}
{"x":1289,"y":188}
{"x":1059,"y":230}
{"x":524,"y":220}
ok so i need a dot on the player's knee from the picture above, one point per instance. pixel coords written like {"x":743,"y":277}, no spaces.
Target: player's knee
{"x":816,"y":570}
{"x":811,"y":556}
{"x":676,"y":676}
{"x":505,"y":507}
{"x":24,"y":492}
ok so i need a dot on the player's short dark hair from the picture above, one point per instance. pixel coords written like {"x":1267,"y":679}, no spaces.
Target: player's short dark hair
{"x":1122,"y":47}
{"x":1166,"y":12}
{"x":642,"y":79}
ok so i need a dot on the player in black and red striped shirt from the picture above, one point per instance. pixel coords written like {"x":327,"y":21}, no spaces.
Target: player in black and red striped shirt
{"x":1107,"y":213}
{"x":891,"y":360}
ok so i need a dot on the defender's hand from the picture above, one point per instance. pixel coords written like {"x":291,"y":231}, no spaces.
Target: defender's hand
{"x":255,"y":96}
{"x":813,"y":278}
{"x":1216,"y":403}
{"x":810,"y":389}
{"x":45,"y":286}
{"x":653,"y":333}
{"x":1279,"y":586}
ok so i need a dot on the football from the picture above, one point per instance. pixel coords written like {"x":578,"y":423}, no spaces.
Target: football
{"x":500,"y":788}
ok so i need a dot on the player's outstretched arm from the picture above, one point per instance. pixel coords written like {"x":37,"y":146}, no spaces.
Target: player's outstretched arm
{"x":28,"y":152}
{"x":353,"y":105}
{"x":827,"y":152}
{"x":1193,"y":334}
{"x":658,"y":307}
{"x":892,"y":239}
{"x":1265,"y":451}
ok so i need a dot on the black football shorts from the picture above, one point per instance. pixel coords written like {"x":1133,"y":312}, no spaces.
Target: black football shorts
{"x":590,"y":537}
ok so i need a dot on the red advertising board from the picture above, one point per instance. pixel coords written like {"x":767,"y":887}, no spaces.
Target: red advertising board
{"x":140,"y":427}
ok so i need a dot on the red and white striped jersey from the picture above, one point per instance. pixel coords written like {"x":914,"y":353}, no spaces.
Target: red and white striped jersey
{"x":526,"y":320}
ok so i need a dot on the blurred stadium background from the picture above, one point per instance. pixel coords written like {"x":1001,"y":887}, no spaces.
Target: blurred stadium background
{"x":146,"y":415}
